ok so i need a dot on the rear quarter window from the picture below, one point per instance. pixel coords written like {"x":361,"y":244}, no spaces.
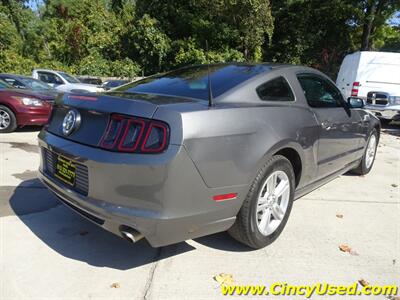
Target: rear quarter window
{"x":277,"y":89}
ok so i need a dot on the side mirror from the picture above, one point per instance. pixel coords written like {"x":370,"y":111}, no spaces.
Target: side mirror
{"x":355,"y":102}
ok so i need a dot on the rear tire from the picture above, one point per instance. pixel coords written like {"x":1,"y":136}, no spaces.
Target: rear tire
{"x":266,"y":209}
{"x":8,"y":121}
{"x":368,"y":158}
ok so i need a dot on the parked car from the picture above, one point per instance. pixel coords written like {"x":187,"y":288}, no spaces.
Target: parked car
{"x":23,"y":107}
{"x":64,"y":82}
{"x":90,"y":80}
{"x":374,"y":77}
{"x":24,"y":82}
{"x":110,"y":84}
{"x":186,"y":154}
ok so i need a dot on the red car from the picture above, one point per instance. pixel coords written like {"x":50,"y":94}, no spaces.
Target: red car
{"x":23,"y":107}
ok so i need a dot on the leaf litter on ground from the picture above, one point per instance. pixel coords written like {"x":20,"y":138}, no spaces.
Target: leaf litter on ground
{"x":347,"y":248}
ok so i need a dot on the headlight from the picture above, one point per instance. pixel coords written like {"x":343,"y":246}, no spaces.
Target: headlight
{"x":394,"y":100}
{"x":30,"y":101}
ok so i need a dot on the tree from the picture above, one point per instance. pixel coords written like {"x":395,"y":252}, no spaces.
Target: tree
{"x":123,"y":37}
{"x":238,"y":25}
{"x":376,"y":14}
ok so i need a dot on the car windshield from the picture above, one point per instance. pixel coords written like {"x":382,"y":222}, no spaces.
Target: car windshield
{"x":192,"y":82}
{"x":69,"y":78}
{"x":35,"y":84}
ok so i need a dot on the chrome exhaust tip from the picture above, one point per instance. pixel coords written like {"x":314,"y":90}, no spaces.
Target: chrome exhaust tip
{"x":131,"y":234}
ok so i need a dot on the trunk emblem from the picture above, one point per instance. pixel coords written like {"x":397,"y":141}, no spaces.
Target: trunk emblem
{"x":71,"y":122}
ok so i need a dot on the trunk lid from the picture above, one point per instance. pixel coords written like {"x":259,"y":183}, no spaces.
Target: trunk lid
{"x":95,"y":112}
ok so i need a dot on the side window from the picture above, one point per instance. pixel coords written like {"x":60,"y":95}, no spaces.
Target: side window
{"x":275,"y":90}
{"x":49,"y":78}
{"x":319,"y":92}
{"x":14,"y":83}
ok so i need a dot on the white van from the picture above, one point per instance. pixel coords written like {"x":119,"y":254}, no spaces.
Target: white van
{"x":374,"y":77}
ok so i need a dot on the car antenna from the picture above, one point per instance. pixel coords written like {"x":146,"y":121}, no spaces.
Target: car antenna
{"x":210,"y":95}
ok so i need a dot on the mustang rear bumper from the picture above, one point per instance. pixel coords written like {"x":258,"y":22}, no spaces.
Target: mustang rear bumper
{"x":161,"y":196}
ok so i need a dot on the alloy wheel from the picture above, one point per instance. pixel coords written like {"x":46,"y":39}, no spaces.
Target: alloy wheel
{"x":370,"y":153}
{"x":272,"y":203}
{"x":5,"y":119}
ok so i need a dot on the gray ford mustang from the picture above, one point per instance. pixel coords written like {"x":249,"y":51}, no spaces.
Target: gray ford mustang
{"x":204,"y":149}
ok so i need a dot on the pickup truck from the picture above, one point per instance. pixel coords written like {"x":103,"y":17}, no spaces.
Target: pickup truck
{"x":64,"y":82}
{"x":384,"y":105}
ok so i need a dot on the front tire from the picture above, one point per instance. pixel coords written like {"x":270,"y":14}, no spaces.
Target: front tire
{"x":368,"y":158}
{"x":8,"y":121}
{"x":268,"y":204}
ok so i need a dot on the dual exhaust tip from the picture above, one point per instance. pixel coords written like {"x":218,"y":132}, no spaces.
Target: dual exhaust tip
{"x":131,"y":234}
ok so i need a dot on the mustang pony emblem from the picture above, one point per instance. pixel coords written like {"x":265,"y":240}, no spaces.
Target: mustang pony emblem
{"x":71,"y":122}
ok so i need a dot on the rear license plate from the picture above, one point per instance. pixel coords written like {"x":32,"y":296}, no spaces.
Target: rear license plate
{"x":65,"y":170}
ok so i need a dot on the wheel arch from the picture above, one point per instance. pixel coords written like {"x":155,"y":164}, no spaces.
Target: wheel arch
{"x":10,"y":107}
{"x":290,"y":150}
{"x":294,"y":158}
{"x":377,"y":127}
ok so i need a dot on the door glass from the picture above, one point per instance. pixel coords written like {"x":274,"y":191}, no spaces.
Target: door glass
{"x":319,"y":92}
{"x":14,"y":83}
{"x":49,"y":78}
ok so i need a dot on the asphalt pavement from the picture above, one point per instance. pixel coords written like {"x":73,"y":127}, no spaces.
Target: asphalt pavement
{"x":49,"y":252}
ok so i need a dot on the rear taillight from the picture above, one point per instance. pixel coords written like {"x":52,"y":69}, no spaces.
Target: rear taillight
{"x":137,"y":135}
{"x":354,"y":90}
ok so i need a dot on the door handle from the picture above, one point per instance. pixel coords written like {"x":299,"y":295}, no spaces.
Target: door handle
{"x":326,"y":125}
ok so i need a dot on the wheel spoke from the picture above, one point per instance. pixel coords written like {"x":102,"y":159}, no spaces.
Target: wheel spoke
{"x":265,"y":218}
{"x":277,"y":212}
{"x":271,"y":184}
{"x":262,"y":200}
{"x":282,"y":187}
{"x":261,"y":207}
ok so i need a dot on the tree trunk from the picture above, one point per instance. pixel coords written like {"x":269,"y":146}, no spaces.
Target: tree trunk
{"x":367,"y":27}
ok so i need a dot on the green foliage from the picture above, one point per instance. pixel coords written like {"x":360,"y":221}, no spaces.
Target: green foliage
{"x":95,"y":65}
{"x":148,"y":44}
{"x":127,"y":37}
{"x":12,"y":62}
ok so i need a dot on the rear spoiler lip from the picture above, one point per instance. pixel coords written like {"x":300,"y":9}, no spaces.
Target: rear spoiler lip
{"x":104,"y":103}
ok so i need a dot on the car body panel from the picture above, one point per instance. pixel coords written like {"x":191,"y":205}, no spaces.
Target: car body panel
{"x":27,"y":115}
{"x":168,"y":197}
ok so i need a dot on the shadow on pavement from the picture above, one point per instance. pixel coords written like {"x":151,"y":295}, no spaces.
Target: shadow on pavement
{"x":223,"y":241}
{"x":74,"y":237}
{"x":28,"y":129}
{"x":392,"y":128}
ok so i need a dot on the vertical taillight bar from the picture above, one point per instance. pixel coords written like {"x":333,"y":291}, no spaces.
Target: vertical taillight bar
{"x":354,"y":90}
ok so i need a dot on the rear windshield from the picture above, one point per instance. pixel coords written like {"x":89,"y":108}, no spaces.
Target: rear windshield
{"x":192,"y":82}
